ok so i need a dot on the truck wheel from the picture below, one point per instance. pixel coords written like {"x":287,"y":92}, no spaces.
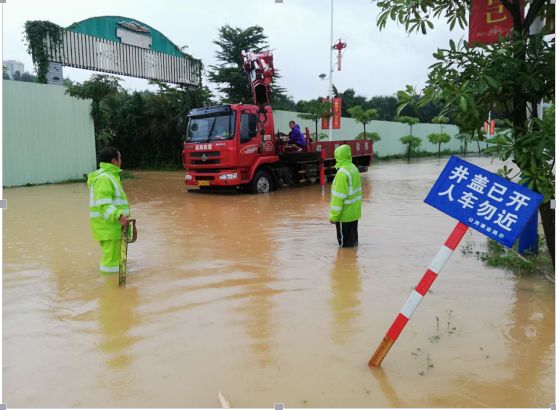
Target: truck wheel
{"x":261,"y":183}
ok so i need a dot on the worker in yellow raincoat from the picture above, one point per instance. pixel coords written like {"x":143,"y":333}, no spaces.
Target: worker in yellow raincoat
{"x":346,"y":198}
{"x":108,"y":208}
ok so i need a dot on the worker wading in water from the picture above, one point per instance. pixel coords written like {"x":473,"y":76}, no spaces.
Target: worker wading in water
{"x":108,"y":208}
{"x":345,"y":203}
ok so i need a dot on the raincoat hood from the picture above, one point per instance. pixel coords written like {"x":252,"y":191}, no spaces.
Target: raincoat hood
{"x":104,"y":167}
{"x":342,"y":154}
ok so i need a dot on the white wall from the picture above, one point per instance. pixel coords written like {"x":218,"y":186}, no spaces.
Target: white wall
{"x":390,"y":133}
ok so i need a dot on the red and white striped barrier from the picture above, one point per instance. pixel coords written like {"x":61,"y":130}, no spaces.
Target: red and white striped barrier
{"x":418,"y":293}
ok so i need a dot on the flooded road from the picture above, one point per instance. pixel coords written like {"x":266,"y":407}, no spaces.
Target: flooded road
{"x":250,"y":296}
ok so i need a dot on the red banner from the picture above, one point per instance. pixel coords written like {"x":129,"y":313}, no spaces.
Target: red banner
{"x":489,"y":128}
{"x":325,"y":119}
{"x":492,"y":126}
{"x":489,"y":19}
{"x":336,"y":113}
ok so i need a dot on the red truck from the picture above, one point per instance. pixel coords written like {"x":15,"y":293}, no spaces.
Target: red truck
{"x":236,"y":145}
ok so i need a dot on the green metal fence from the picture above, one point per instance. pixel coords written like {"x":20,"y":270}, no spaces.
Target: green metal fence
{"x":47,"y":136}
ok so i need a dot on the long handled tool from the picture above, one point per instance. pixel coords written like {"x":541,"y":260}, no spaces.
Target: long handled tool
{"x":126,"y":239}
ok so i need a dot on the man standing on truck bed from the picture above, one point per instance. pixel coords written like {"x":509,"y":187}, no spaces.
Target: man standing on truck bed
{"x":345,"y":202}
{"x":108,"y":208}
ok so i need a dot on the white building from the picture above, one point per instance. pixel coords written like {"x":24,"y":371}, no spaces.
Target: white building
{"x":13,"y":66}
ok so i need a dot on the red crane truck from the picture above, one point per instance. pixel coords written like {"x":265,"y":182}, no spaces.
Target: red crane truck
{"x":236,"y":145}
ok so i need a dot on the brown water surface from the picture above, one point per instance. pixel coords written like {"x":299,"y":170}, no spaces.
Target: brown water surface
{"x":249,"y":295}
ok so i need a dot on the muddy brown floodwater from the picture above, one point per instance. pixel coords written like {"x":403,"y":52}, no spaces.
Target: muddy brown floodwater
{"x":249,"y":295}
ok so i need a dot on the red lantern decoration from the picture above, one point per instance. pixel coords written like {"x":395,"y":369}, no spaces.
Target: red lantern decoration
{"x":339,"y":46}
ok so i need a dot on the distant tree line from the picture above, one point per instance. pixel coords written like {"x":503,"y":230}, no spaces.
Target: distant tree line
{"x":386,"y":106}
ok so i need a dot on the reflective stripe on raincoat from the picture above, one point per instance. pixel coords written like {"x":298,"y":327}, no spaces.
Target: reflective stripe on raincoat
{"x":345,"y":203}
{"x":107,"y":202}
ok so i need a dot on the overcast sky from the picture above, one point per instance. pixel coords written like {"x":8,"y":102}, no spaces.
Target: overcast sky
{"x":375,"y":62}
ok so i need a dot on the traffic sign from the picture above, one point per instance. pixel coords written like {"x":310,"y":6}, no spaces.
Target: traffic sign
{"x":484,"y":201}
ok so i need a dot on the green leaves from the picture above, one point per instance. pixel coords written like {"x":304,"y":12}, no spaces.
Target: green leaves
{"x":492,"y":82}
{"x":533,"y":152}
{"x":415,"y":15}
{"x":408,"y":120}
{"x":440,"y":120}
{"x":411,"y":142}
{"x":363,"y":116}
{"x":440,"y":138}
{"x":35,"y":36}
{"x":373,"y":136}
{"x":407,"y":97}
{"x":463,"y":103}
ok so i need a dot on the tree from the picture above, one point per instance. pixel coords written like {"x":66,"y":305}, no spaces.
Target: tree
{"x":363,"y":116}
{"x":464,"y":138}
{"x":385,"y":106}
{"x":440,"y":138}
{"x":5,"y":75}
{"x":504,"y":76}
{"x":229,"y":74}
{"x":17,"y":76}
{"x":349,"y":100}
{"x":281,"y":101}
{"x":28,"y":78}
{"x":373,"y":136}
{"x":411,"y":121}
{"x":146,"y":125}
{"x":412,"y":144}
{"x":440,"y":120}
{"x":98,"y":88}
{"x":315,"y":110}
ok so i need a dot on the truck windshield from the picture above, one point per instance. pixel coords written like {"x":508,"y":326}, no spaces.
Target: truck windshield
{"x":213,"y":128}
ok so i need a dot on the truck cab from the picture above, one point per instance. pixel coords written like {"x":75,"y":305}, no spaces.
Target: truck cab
{"x":224,"y":145}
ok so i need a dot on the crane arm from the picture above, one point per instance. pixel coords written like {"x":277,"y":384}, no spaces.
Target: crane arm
{"x":259,"y":68}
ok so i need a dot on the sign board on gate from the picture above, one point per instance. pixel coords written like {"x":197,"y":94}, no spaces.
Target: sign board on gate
{"x":484,"y":201}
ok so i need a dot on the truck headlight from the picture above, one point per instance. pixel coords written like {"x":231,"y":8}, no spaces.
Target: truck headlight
{"x":188,"y":177}
{"x":231,"y":175}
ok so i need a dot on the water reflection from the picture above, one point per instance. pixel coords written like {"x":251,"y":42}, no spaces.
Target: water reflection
{"x":231,"y":252}
{"x":529,"y":334}
{"x":386,"y":387}
{"x":116,"y":318}
{"x":346,"y":290}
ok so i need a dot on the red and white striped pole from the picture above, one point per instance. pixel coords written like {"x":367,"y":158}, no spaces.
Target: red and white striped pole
{"x":418,"y":293}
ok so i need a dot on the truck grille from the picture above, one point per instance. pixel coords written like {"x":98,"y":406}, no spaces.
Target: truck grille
{"x":206,"y":162}
{"x":207,"y":171}
{"x":204,"y":158}
{"x":208,"y":154}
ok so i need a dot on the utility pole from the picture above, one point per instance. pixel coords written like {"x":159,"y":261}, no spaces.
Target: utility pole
{"x":331,"y":67}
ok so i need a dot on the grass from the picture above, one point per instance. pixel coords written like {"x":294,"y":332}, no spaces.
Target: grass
{"x":499,"y":256}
